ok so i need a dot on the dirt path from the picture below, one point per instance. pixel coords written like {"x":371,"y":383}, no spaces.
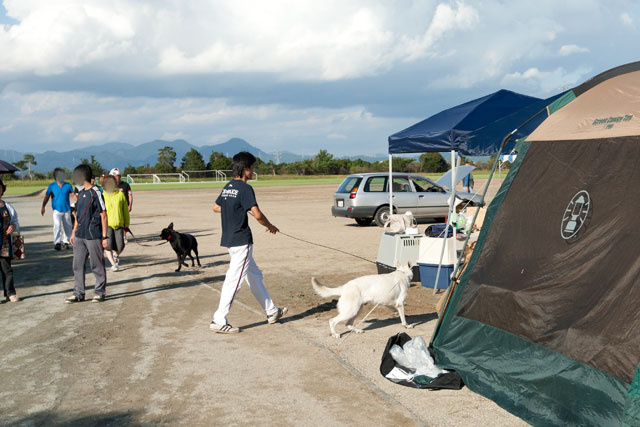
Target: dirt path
{"x":146,"y":356}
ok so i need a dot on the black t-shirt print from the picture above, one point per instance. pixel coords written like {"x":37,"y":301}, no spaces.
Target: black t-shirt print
{"x":236,"y":199}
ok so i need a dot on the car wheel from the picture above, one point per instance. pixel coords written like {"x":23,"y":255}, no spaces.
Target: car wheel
{"x":364,"y":221}
{"x":382,"y":216}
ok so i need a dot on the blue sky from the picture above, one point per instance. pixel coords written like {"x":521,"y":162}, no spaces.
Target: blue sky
{"x":293,"y":75}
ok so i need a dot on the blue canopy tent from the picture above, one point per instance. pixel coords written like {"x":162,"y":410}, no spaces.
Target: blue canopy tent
{"x":475,"y":128}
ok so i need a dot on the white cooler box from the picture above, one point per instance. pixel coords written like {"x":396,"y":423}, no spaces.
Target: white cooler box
{"x":399,"y":248}
{"x":429,"y":258}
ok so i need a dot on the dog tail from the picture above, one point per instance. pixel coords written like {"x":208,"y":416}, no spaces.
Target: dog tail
{"x":323,"y":291}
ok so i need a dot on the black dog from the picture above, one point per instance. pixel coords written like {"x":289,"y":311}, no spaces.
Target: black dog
{"x":182,"y":244}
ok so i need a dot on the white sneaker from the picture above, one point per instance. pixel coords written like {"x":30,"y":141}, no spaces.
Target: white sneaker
{"x":116,"y":260}
{"x":115,"y":267}
{"x":223,"y":329}
{"x":277,"y":315}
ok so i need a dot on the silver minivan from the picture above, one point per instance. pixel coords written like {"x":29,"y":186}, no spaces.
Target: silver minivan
{"x":365,"y":197}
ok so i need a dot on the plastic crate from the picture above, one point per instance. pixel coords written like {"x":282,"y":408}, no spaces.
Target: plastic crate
{"x":428,"y":274}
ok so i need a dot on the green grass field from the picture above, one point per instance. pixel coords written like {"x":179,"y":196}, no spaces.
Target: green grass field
{"x":19,"y":188}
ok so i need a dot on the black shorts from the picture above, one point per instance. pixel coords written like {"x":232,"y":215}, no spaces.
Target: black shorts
{"x":115,"y":239}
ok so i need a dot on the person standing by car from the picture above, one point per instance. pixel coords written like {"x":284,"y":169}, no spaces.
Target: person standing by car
{"x":8,"y":225}
{"x":467,"y":181}
{"x":59,"y":192}
{"x":236,"y":199}
{"x":126,"y":188}
{"x":89,"y":237}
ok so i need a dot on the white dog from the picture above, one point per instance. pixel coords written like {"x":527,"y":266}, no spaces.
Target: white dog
{"x":385,"y":289}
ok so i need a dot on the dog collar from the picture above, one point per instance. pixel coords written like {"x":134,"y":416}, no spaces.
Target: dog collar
{"x":169,"y":237}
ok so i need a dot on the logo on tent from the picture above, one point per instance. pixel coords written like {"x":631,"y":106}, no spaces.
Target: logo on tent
{"x":575,"y":215}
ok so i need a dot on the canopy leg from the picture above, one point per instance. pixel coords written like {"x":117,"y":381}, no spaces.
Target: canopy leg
{"x":452,"y":199}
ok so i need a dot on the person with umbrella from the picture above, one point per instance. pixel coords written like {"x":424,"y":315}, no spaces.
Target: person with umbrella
{"x":8,"y":225}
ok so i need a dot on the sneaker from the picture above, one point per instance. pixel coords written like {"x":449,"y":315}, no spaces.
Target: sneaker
{"x":73,"y":299}
{"x":115,"y":267}
{"x":57,"y":247}
{"x":14,"y":298}
{"x":223,"y":329}
{"x":66,"y":246}
{"x":98,"y":298}
{"x":277,"y":315}
{"x":116,"y":260}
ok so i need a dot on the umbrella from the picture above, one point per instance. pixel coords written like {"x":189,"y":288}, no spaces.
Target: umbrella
{"x":6,"y":167}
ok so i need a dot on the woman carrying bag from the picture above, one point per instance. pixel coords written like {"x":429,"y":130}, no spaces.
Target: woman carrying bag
{"x":8,"y":225}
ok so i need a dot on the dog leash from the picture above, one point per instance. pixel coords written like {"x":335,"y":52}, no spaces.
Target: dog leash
{"x":135,"y":239}
{"x":326,"y":247}
{"x":346,"y":253}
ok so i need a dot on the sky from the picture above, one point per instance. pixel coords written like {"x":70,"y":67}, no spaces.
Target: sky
{"x":292,"y":75}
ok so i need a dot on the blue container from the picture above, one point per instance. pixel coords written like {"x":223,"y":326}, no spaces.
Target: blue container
{"x":428,"y":274}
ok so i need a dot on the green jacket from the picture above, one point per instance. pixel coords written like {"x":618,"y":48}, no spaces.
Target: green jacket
{"x":117,"y":209}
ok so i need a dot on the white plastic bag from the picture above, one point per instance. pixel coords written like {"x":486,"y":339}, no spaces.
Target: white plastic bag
{"x":415,"y":355}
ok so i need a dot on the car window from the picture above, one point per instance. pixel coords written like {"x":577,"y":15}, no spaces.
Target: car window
{"x":423,"y":185}
{"x":376,"y":184}
{"x":349,"y":184}
{"x":401,"y":185}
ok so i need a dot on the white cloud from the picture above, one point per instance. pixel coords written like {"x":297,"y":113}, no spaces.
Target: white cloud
{"x":626,"y":19}
{"x":91,"y":136}
{"x":570,"y":49}
{"x":550,"y":81}
{"x":303,"y":40}
{"x":86,"y":118}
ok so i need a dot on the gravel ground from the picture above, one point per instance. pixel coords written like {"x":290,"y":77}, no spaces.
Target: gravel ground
{"x":147,"y":357}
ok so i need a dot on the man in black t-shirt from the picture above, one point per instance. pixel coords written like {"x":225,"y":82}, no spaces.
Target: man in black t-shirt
{"x":89,"y":237}
{"x":236,"y":199}
{"x":126,"y":188}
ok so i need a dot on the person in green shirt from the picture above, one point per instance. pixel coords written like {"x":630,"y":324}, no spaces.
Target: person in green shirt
{"x":117,"y":220}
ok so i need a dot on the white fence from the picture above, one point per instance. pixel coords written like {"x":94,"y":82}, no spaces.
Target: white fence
{"x":182,"y":177}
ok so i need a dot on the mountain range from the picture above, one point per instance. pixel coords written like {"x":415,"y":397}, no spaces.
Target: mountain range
{"x":118,"y":154}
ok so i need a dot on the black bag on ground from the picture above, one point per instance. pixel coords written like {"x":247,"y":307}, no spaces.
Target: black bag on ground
{"x":450,"y":380}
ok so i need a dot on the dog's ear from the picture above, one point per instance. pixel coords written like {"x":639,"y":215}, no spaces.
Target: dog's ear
{"x":409,"y":265}
{"x":170,"y":227}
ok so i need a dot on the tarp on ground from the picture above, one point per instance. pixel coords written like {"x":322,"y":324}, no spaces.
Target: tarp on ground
{"x":475,"y":128}
{"x":545,"y":319}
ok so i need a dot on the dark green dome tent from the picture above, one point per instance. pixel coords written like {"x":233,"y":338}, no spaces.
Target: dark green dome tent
{"x":545,"y":320}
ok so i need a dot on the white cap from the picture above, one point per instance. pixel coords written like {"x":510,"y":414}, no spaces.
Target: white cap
{"x":114,"y":171}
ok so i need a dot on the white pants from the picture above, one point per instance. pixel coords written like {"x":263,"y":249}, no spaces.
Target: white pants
{"x":61,"y":227}
{"x":242,"y":267}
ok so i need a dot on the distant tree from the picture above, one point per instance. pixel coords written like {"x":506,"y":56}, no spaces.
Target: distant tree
{"x":96,"y":167}
{"x":400,"y":164}
{"x":325,"y":163}
{"x":433,"y":162}
{"x":166,"y":160}
{"x":193,"y":161}
{"x":218,"y":161}
{"x":129,"y":170}
{"x":26,"y":163}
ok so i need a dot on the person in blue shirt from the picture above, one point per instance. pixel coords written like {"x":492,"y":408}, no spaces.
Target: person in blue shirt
{"x":467,"y":182}
{"x":89,"y":237}
{"x":58,"y":191}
